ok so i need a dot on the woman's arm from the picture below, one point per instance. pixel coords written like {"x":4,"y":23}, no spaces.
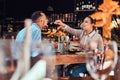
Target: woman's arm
{"x":100,"y":45}
{"x":67,"y":28}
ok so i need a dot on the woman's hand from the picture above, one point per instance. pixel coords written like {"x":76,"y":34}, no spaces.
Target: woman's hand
{"x":60,"y":23}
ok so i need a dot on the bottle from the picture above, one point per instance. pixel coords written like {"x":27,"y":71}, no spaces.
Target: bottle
{"x":93,"y":5}
{"x":77,"y":6}
{"x":89,"y":5}
{"x":60,"y":45}
{"x":82,"y":5}
{"x":71,"y":16}
{"x":75,"y":17}
{"x":67,"y":41}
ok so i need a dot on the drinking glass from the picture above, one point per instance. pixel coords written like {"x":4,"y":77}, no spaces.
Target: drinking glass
{"x":41,"y":53}
{"x":100,"y":65}
{"x":13,"y":61}
{"x":7,"y":63}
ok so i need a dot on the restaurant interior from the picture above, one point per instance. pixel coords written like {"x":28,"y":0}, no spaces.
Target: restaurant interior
{"x":59,"y":50}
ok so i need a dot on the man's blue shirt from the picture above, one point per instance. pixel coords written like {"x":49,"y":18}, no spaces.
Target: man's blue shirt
{"x":36,"y":33}
{"x":35,"y":36}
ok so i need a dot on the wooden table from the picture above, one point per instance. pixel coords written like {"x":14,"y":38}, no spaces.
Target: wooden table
{"x":63,"y":59}
{"x":54,"y":60}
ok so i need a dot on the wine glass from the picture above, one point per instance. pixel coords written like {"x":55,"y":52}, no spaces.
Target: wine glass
{"x":42,"y":68}
{"x":100,"y":65}
{"x":7,"y":64}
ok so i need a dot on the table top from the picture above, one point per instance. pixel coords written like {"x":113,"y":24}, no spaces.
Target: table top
{"x":66,"y":59}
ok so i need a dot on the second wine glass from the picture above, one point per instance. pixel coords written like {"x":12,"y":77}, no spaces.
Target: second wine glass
{"x":100,"y":65}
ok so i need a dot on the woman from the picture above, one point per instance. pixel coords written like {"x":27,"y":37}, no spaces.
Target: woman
{"x":86,"y":36}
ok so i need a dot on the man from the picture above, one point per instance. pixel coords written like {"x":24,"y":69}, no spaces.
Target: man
{"x":39,"y":22}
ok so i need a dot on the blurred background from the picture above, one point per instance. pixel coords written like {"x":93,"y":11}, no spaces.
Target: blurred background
{"x":12,"y":12}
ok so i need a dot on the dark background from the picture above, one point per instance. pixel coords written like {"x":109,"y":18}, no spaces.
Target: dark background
{"x":20,"y":9}
{"x":15,"y":11}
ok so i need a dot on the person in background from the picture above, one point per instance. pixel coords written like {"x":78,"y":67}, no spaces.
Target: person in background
{"x":86,"y":35}
{"x":40,"y":21}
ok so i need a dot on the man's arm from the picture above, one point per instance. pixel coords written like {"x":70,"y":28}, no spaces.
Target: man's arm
{"x":20,"y":36}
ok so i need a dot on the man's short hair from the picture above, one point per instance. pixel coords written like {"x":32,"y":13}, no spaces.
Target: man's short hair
{"x":36,"y":15}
